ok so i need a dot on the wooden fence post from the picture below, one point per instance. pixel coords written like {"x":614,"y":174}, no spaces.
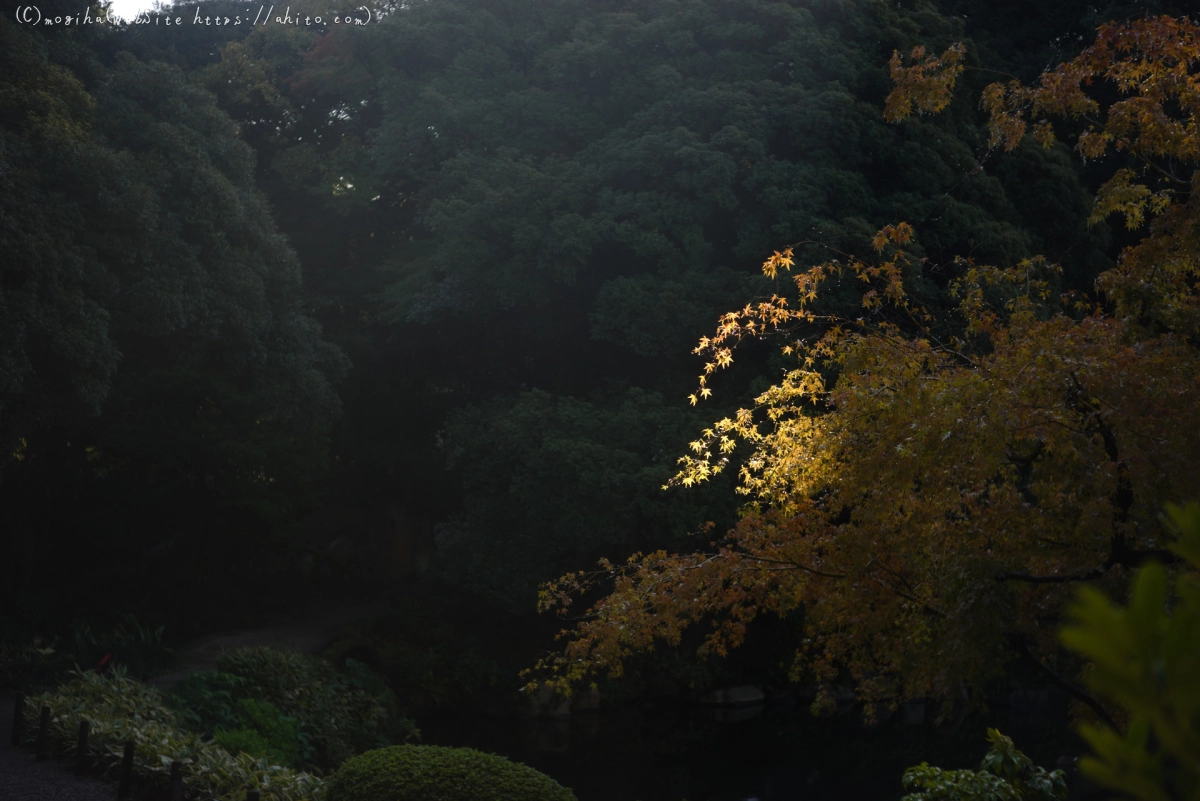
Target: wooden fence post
{"x":176,"y":781}
{"x":126,"y":782}
{"x":81,"y":748}
{"x":43,"y":738}
{"x":18,"y":732}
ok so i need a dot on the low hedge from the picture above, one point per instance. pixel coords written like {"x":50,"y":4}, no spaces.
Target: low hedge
{"x":120,"y":709}
{"x":436,"y":773}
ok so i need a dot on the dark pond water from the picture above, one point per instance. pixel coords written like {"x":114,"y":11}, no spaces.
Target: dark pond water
{"x":771,"y":753}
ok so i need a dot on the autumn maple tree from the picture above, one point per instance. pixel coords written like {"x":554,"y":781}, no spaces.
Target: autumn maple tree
{"x":931,"y":489}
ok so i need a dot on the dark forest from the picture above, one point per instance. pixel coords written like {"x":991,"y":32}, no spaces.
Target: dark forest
{"x":609,"y":400}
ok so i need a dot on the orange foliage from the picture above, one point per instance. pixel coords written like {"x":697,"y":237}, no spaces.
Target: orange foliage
{"x":926,"y":85}
{"x":931,"y":499}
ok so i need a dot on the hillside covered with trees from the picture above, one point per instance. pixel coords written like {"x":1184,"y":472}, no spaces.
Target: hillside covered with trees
{"x":437,"y":313}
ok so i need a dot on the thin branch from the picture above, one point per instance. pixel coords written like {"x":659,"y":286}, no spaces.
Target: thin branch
{"x":1075,"y":692}
{"x":967,"y":68}
{"x":1121,"y":554}
{"x":910,"y":597}
{"x":794,"y":564}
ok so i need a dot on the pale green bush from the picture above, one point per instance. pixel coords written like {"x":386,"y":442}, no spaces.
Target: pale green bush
{"x":120,"y":709}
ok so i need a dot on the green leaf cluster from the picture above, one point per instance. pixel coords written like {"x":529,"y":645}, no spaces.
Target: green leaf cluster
{"x":436,"y":773}
{"x":1005,"y":774}
{"x":336,"y":713}
{"x":140,"y":648}
{"x":207,"y":701}
{"x":1145,"y":657}
{"x":264,"y":732}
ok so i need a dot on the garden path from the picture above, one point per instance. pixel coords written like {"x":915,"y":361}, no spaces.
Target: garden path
{"x":23,"y":778}
{"x":309,"y":630}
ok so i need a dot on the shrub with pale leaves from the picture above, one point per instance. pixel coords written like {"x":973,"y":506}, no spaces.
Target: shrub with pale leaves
{"x":120,"y":709}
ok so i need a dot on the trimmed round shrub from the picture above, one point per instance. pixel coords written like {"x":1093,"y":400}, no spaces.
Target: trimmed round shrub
{"x":435,"y":773}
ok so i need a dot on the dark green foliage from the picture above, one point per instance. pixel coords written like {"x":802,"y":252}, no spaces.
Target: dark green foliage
{"x":226,"y":706}
{"x":491,"y":196}
{"x":582,"y":143}
{"x":207,"y":701}
{"x":249,"y":742}
{"x":517,"y":218}
{"x":565,"y":196}
{"x":296,"y":709}
{"x":43,"y":662}
{"x":455,"y":659}
{"x":1146,"y":659}
{"x":139,"y":204}
{"x":264,"y":732}
{"x":140,"y":649}
{"x":154,"y":341}
{"x":440,"y":678}
{"x":1004,"y":775}
{"x":434,"y":773}
{"x":337,"y":714}
{"x":551,"y":481}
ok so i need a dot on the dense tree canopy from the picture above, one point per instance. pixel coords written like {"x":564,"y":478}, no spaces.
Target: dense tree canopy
{"x":513,"y":219}
{"x":560,"y":197}
{"x":154,"y":330}
{"x":404,"y":314}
